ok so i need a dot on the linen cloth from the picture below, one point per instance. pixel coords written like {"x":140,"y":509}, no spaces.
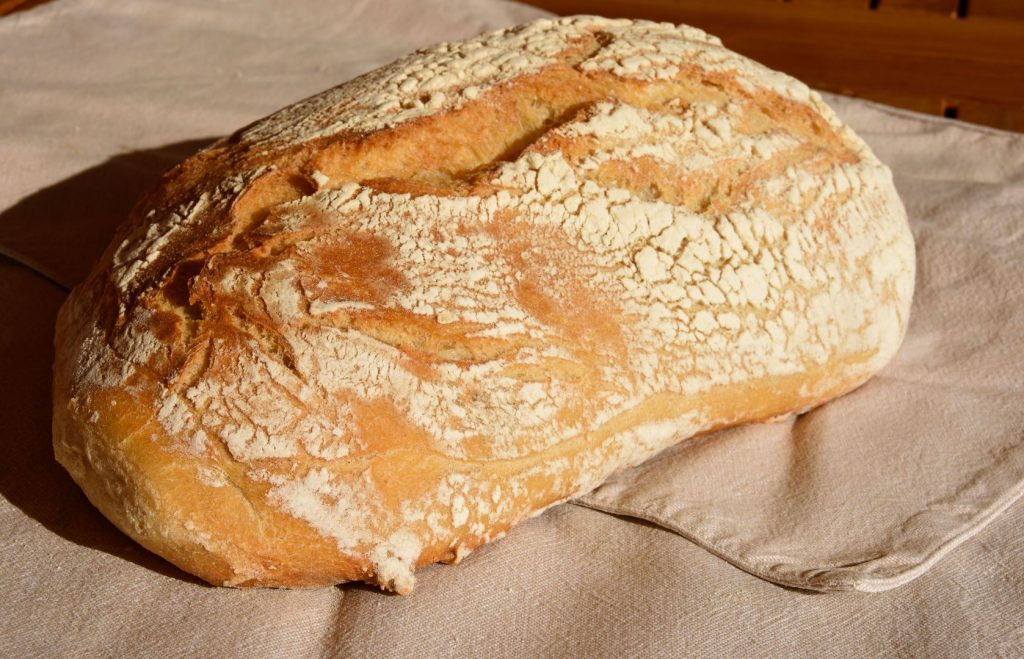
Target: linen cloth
{"x":868,"y":492}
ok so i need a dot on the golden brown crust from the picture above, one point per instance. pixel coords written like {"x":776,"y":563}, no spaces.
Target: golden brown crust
{"x":383,"y":325}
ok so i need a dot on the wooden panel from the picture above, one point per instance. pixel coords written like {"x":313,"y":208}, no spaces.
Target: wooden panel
{"x":926,"y":104}
{"x":990,"y":114}
{"x":944,"y":7}
{"x":917,"y":55}
{"x":848,"y":4}
{"x":1008,"y":9}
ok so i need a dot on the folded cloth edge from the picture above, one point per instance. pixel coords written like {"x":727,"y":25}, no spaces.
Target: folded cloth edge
{"x":871,"y":575}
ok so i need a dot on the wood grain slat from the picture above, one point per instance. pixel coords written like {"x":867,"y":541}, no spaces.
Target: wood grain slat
{"x":946,"y":8}
{"x":926,"y":104}
{"x":991,"y":114}
{"x":1003,"y":9}
{"x":848,"y":4}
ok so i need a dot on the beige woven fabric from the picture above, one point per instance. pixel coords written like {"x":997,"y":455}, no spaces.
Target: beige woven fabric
{"x":97,"y":97}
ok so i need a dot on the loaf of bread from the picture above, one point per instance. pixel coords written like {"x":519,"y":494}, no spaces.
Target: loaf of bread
{"x":382,"y":326}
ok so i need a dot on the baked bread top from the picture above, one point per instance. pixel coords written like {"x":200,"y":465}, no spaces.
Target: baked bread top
{"x":378,"y":327}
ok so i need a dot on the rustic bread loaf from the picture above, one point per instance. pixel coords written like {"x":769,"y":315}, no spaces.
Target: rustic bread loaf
{"x":381,"y":326}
